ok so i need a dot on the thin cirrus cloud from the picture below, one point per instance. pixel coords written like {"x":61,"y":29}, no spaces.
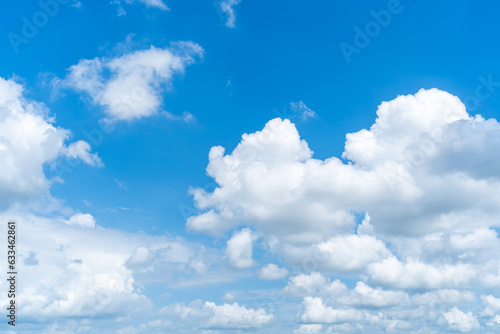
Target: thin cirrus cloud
{"x":227,"y":7}
{"x":159,"y":4}
{"x":130,"y":86}
{"x":300,"y":108}
{"x":153,"y":3}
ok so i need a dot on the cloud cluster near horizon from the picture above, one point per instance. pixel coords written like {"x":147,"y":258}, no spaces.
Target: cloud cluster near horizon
{"x":426,"y":178}
{"x":408,"y":213}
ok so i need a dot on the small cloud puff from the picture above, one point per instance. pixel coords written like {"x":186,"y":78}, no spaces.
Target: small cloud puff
{"x":272,"y":272}
{"x":82,"y":220}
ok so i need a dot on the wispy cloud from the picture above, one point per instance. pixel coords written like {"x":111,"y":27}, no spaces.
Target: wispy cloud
{"x":302,"y":110}
{"x":227,"y":7}
{"x":121,"y":184}
{"x":149,"y":3}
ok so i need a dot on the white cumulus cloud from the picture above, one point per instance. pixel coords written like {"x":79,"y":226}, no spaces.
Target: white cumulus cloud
{"x":81,"y":150}
{"x":210,"y":315}
{"x":415,"y":274}
{"x":29,"y":141}
{"x":463,"y":322}
{"x":239,"y":249}
{"x":316,"y":312}
{"x":352,"y":252}
{"x":308,"y":329}
{"x":272,"y":272}
{"x":426,"y":178}
{"x":82,"y":219}
{"x":395,"y":173}
{"x":130,"y":86}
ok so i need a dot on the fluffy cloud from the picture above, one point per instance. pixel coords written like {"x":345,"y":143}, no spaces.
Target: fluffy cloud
{"x":444,"y":150}
{"x":362,"y":295}
{"x":308,"y":329}
{"x":421,"y":258}
{"x":226,"y":316}
{"x":235,"y":316}
{"x":86,"y":273}
{"x":129,"y":87}
{"x":316,"y":312}
{"x":272,"y":272}
{"x":491,"y":310}
{"x":81,"y":150}
{"x":239,"y":249}
{"x":344,"y":252}
{"x":397,"y":172}
{"x":227,"y":7}
{"x":415,"y":274}
{"x":425,"y":176}
{"x":83,"y":220}
{"x":401,"y":123}
{"x":477,"y":239}
{"x":444,"y":297}
{"x":313,"y":284}
{"x":278,"y":202}
{"x":28,"y":142}
{"x":463,"y":322}
{"x":492,"y":305}
{"x":348,"y":319}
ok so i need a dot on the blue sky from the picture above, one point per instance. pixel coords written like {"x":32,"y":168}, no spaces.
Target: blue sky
{"x":359,"y":206}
